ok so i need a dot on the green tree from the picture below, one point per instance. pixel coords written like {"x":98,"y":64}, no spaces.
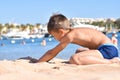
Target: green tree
{"x":117,"y":23}
{"x":1,"y":27}
{"x":110,"y":24}
{"x":23,"y":27}
{"x":99,"y":23}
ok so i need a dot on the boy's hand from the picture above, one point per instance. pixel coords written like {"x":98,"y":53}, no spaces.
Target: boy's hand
{"x":33,"y":60}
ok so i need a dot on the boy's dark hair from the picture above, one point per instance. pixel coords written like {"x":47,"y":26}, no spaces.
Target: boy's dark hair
{"x":57,"y":21}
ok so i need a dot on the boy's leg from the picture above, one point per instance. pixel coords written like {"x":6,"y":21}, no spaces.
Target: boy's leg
{"x":90,"y":57}
{"x":81,"y":50}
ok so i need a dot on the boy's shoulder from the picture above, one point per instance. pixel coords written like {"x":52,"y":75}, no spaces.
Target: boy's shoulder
{"x":79,"y":29}
{"x":84,"y":29}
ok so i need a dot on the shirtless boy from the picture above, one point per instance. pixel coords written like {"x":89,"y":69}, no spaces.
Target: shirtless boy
{"x":98,"y":48}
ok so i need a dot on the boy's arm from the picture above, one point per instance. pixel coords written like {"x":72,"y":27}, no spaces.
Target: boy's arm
{"x":53,"y":52}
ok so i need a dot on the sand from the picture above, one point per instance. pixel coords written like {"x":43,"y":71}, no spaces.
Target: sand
{"x":56,"y":69}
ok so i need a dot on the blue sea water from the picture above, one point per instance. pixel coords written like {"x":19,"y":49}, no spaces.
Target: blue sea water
{"x":13,"y":49}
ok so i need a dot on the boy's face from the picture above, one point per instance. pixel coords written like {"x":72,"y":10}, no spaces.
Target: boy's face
{"x":58,"y":35}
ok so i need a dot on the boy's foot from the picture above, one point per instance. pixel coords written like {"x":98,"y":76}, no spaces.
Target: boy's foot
{"x":115,"y":60}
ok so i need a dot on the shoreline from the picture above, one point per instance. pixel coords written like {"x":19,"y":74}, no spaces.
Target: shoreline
{"x":56,"y":69}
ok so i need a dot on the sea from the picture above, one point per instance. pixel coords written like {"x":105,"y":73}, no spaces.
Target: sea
{"x":12,"y":49}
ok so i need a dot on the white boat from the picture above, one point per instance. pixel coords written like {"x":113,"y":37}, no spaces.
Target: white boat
{"x":22,"y":35}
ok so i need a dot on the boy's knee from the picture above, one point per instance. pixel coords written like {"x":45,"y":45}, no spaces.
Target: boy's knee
{"x":74,"y":59}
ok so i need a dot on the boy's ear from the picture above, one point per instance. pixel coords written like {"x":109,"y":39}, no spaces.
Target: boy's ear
{"x":61,"y":30}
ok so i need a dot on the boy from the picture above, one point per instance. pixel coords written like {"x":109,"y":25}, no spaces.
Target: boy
{"x":99,"y":48}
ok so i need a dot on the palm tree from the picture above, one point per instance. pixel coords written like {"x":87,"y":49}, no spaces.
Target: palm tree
{"x":23,"y":27}
{"x":1,"y":27}
{"x":30,"y":26}
{"x":110,"y":24}
{"x":100,"y":23}
{"x":37,"y":25}
{"x":117,"y":23}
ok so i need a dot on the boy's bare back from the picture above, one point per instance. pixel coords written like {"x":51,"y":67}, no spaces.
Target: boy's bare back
{"x":88,"y":37}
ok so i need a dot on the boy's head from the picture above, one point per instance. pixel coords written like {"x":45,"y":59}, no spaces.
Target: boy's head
{"x":56,"y":22}
{"x":58,"y":25}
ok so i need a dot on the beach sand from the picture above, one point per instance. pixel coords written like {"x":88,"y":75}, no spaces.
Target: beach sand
{"x":57,"y":69}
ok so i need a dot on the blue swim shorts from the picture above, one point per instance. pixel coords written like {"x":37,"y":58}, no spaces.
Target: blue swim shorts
{"x":108,"y":51}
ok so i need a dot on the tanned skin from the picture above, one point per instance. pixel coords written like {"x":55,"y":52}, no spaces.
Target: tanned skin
{"x":60,"y":28}
{"x":85,"y":37}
